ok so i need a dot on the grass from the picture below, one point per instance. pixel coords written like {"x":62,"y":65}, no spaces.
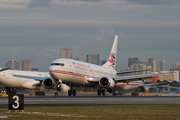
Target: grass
{"x":116,"y":112}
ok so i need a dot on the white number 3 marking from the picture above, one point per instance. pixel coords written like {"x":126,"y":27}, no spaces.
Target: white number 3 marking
{"x":16,"y":101}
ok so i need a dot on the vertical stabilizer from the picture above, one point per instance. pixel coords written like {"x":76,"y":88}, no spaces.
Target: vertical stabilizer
{"x":111,"y":63}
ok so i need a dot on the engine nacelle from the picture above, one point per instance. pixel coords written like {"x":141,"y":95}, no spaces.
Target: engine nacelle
{"x":144,"y":89}
{"x":106,"y":82}
{"x":64,"y":88}
{"x":48,"y":83}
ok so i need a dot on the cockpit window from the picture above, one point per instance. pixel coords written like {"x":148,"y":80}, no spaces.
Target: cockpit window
{"x":61,"y":64}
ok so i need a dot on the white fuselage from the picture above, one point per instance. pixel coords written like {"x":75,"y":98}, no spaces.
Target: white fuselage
{"x":77,"y":72}
{"x":20,"y":79}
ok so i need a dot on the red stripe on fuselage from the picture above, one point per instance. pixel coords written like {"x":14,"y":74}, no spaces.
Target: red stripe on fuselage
{"x":69,"y":73}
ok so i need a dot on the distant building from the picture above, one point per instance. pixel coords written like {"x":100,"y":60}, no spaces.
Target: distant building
{"x":12,"y":64}
{"x":137,"y":66}
{"x":66,"y":53}
{"x":117,"y":69}
{"x":26,"y":65}
{"x":170,"y":77}
{"x":34,"y":68}
{"x":176,"y":75}
{"x":132,"y":61}
{"x":79,"y":58}
{"x":177,"y":65}
{"x":103,"y":61}
{"x":127,"y":69}
{"x":93,"y":59}
{"x":158,"y":65}
{"x":150,"y":60}
{"x":154,"y":79}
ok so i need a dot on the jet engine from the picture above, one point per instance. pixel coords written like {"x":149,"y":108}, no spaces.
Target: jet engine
{"x":144,"y":89}
{"x":106,"y":82}
{"x":48,"y":83}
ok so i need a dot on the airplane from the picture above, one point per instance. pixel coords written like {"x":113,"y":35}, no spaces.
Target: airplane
{"x":77,"y":73}
{"x":135,"y":87}
{"x":30,"y":80}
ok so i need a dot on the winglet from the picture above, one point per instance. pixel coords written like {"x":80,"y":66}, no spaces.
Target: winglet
{"x":111,"y":63}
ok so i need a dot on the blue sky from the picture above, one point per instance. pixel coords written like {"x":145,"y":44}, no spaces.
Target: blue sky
{"x":38,"y":29}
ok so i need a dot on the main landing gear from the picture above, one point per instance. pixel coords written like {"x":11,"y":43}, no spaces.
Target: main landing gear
{"x":56,"y":94}
{"x":135,"y":92}
{"x":99,"y":91}
{"x":10,"y":90}
{"x":40,"y":93}
{"x":71,"y":91}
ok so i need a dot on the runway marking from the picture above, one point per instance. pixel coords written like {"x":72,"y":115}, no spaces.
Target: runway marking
{"x":50,"y":114}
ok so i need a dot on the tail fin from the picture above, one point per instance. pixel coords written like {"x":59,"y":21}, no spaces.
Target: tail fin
{"x":111,"y":63}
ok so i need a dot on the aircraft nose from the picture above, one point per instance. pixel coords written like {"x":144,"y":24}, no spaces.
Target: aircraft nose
{"x":51,"y":69}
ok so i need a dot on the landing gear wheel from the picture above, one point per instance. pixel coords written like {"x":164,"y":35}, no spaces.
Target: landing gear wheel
{"x":134,"y":94}
{"x":99,"y":92}
{"x":74,"y":92}
{"x":103,"y":92}
{"x":114,"y":93}
{"x":36,"y":93}
{"x":69,"y":92}
{"x":55,"y":94}
{"x":43,"y":93}
{"x":39,"y":93}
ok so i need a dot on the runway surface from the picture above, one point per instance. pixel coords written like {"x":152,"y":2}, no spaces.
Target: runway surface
{"x":36,"y":101}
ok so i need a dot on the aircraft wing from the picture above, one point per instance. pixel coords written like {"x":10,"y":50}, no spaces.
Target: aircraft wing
{"x":4,"y":69}
{"x":31,"y":77}
{"x":125,"y":72}
{"x":155,"y":84}
{"x":29,"y":84}
{"x":127,"y":79}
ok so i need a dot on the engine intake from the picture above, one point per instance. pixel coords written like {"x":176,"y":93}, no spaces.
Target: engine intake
{"x":48,"y":83}
{"x":144,"y":89}
{"x":106,"y":82}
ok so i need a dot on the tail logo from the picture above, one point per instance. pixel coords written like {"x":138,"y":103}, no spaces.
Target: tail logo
{"x":112,"y":60}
